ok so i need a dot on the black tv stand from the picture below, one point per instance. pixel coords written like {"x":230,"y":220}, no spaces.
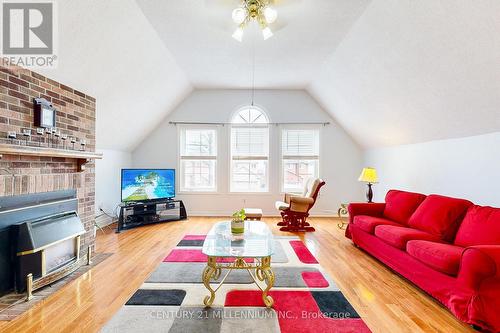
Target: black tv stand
{"x":142,"y":213}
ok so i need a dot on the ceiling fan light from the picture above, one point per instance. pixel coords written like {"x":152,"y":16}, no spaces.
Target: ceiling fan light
{"x":239,"y":15}
{"x":238,"y":34}
{"x":267,"y":33}
{"x":270,"y":14}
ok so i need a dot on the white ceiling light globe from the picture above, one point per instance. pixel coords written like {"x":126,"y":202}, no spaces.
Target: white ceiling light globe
{"x":270,"y":14}
{"x":267,"y":33}
{"x":238,"y":34}
{"x":239,"y":15}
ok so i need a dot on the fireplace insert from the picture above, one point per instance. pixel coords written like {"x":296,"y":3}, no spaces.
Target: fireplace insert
{"x":43,"y":235}
{"x":46,"y":249}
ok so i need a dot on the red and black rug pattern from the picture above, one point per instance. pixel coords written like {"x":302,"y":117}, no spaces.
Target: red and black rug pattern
{"x":306,"y":299}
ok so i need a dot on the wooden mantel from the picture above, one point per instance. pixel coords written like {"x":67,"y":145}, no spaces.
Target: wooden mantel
{"x":82,"y":157}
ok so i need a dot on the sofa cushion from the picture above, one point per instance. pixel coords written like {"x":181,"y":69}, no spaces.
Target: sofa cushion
{"x":444,"y":258}
{"x":481,"y":226}
{"x":399,"y":236}
{"x":368,"y":223}
{"x":400,"y":205}
{"x":440,"y":216}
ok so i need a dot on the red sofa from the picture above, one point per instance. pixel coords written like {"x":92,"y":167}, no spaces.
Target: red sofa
{"x":448,"y":247}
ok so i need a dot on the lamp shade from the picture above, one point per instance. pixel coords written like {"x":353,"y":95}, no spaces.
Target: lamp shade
{"x":267,"y":33}
{"x":368,"y":175}
{"x":270,"y":14}
{"x":238,"y":34}
{"x":239,"y":15}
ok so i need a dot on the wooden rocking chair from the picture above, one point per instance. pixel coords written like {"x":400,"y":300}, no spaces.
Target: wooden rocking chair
{"x":295,"y":208}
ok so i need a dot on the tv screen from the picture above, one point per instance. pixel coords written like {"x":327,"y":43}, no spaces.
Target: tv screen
{"x":147,"y":184}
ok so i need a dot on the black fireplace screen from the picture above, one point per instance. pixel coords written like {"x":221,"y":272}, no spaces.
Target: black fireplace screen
{"x":32,"y":222}
{"x":38,"y":234}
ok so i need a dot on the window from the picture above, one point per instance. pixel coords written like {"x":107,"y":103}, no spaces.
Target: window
{"x":300,"y":157}
{"x":249,"y":151}
{"x":250,"y":115}
{"x":198,"y":159}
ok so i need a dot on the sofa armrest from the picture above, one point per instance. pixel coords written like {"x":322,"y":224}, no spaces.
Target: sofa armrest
{"x":479,"y":263}
{"x":370,"y":209}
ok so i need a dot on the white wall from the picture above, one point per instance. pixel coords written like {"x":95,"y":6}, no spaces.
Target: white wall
{"x":341,"y":158}
{"x":108,"y":178}
{"x":466,"y":167}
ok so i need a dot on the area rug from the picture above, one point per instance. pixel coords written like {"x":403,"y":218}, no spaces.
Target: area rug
{"x":306,"y":299}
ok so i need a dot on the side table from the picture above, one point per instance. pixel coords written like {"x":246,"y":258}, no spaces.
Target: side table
{"x":343,"y":215}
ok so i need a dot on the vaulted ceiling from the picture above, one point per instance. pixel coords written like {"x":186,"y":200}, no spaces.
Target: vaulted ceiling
{"x":412,"y":71}
{"x":198,"y":33}
{"x":389,"y":71}
{"x":109,"y":50}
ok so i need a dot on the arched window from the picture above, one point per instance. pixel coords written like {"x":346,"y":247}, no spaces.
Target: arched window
{"x":250,"y":115}
{"x":250,"y":151}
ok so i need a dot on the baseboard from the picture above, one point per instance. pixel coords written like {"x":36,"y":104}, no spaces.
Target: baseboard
{"x":104,"y":220}
{"x":264,"y":213}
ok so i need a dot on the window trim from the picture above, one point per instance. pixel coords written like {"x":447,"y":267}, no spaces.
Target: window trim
{"x":267,"y":158}
{"x":180,"y":158}
{"x":281,"y":156}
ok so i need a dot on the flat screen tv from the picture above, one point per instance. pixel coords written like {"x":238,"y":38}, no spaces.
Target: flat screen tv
{"x":139,"y":185}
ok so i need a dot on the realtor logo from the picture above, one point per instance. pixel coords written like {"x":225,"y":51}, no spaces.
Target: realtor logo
{"x":28,"y":33}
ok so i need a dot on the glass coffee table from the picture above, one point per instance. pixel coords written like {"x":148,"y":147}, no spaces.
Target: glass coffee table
{"x":226,"y":251}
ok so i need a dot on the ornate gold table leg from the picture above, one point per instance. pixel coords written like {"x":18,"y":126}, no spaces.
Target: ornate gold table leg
{"x":210,"y":272}
{"x":265,"y":274}
{"x":343,"y":214}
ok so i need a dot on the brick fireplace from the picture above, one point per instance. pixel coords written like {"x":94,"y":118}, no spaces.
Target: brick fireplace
{"x":75,"y":114}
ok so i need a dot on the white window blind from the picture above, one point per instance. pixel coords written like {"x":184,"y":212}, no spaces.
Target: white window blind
{"x":300,"y":157}
{"x":250,"y":142}
{"x":249,"y":159}
{"x":198,"y":159}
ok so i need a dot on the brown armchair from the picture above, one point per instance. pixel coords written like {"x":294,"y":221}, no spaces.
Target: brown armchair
{"x":295,"y":208}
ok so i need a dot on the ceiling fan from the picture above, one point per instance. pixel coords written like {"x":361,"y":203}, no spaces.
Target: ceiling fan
{"x":244,"y":12}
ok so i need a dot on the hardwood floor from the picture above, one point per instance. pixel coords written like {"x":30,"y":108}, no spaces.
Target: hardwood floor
{"x":387,"y":302}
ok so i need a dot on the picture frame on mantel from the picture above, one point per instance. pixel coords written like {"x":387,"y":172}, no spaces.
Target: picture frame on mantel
{"x":44,"y":113}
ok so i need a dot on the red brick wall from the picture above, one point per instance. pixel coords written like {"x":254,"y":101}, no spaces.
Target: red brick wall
{"x":75,"y":117}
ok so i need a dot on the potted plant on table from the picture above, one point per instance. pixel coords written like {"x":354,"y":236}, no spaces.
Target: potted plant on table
{"x":238,"y":222}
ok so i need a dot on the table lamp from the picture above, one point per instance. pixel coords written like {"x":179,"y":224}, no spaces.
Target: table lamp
{"x":369,"y":176}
